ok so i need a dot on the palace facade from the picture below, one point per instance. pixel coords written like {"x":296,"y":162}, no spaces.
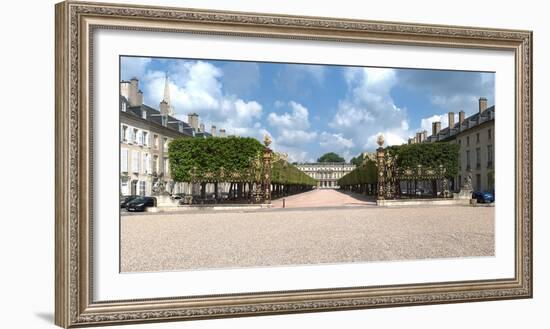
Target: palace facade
{"x":326,"y":174}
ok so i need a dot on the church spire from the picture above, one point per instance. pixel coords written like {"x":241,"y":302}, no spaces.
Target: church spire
{"x":166,"y":100}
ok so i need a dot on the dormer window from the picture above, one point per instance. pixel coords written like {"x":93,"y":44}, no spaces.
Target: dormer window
{"x":144,"y":114}
{"x":180,"y":126}
{"x":123,"y":107}
{"x":164,"y":119}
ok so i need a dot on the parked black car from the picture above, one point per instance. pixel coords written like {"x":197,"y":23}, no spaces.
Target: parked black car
{"x":141,"y":203}
{"x":125,"y":199}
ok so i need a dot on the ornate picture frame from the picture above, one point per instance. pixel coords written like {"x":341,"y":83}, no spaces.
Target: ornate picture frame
{"x":75,"y":24}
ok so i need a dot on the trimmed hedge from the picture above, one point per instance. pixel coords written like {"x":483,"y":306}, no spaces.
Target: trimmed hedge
{"x":228,"y":159}
{"x":364,"y":174}
{"x":428,"y":155}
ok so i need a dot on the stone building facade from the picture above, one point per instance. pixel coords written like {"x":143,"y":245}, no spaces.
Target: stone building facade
{"x":145,"y":134}
{"x":476,"y":136}
{"x":326,"y":174}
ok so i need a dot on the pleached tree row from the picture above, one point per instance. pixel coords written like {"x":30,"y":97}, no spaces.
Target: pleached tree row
{"x":362,"y":179}
{"x":234,"y":166}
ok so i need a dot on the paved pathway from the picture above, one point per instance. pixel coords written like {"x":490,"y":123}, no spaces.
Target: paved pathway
{"x":275,"y":237}
{"x":322,"y":198}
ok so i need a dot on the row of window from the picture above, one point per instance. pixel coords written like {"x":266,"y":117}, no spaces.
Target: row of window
{"x":141,"y":163}
{"x":334,"y":175}
{"x":141,"y":137}
{"x":489,"y":137}
{"x":478,"y":155}
{"x":336,"y":168}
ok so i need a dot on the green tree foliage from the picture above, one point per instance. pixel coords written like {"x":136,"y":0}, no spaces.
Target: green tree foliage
{"x":367,"y":173}
{"x":214,"y":159}
{"x":285,"y":173}
{"x":358,"y":160}
{"x":231,"y":159}
{"x":428,"y":155}
{"x":331,"y":157}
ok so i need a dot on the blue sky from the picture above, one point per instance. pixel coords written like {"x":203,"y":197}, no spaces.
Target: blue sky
{"x":309,"y":110}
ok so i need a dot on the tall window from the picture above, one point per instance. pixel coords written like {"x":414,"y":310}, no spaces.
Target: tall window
{"x":489,"y":156}
{"x":489,"y":133}
{"x":135,"y":136}
{"x":140,"y":137}
{"x":142,"y":188}
{"x":155,"y":163}
{"x":124,"y":133}
{"x":135,"y":162}
{"x":477,"y":138}
{"x":467,"y":140}
{"x":478,"y":158}
{"x":146,"y":164}
{"x":468,"y":160}
{"x":166,"y":166}
{"x":165,"y":143}
{"x":155,"y":141}
{"x":145,"y":138}
{"x":123,"y":160}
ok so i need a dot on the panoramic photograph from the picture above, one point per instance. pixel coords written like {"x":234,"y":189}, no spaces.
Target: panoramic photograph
{"x":235,"y":164}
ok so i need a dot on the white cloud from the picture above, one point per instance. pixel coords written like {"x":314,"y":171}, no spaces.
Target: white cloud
{"x":335,"y":142}
{"x":195,"y":86}
{"x":368,"y":107}
{"x":426,"y":123}
{"x":295,"y":137}
{"x":391,"y":137}
{"x":296,"y":119}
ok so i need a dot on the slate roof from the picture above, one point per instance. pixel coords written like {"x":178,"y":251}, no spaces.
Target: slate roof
{"x":469,"y":122}
{"x":153,"y":115}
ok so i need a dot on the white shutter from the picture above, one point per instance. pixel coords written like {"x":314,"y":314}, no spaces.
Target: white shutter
{"x":123,"y":160}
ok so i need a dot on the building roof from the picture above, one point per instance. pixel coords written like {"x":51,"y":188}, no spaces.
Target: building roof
{"x":155,"y":116}
{"x":470,"y":122}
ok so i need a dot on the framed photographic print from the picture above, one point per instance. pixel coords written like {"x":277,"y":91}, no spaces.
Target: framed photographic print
{"x":217,"y":164}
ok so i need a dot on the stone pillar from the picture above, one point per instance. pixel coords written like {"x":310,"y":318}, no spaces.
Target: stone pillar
{"x":381,"y":167}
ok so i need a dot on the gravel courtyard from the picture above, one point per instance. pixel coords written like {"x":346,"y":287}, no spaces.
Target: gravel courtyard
{"x":271,"y":237}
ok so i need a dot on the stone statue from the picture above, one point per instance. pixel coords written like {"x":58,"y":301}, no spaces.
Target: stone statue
{"x":468,"y":180}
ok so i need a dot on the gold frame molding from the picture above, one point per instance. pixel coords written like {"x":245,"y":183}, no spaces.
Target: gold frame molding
{"x":75,"y":23}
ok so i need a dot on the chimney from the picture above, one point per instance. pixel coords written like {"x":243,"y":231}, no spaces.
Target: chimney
{"x":202,"y":127}
{"x":133,"y":92}
{"x":424,"y":135}
{"x":139,"y":98}
{"x":164,"y":108}
{"x":461,"y":117}
{"x":418,"y":137}
{"x":222,"y":132}
{"x":482,"y":104}
{"x":213,"y":131}
{"x":451,"y":120}
{"x":193,"y":121}
{"x":436,"y":127}
{"x":125,"y":89}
